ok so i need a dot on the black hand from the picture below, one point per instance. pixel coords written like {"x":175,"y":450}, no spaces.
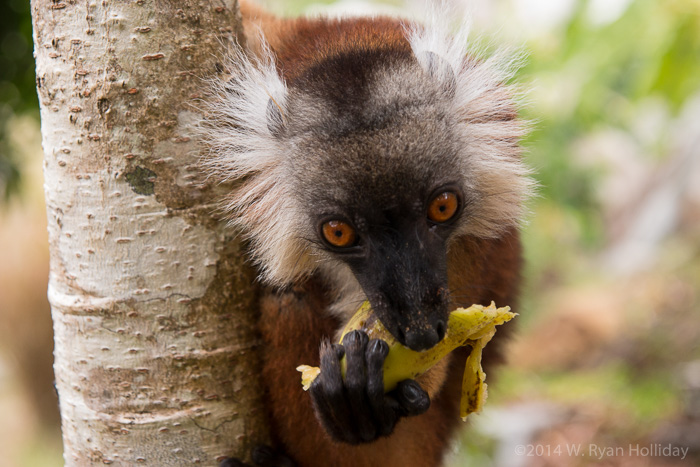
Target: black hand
{"x":357,"y":410}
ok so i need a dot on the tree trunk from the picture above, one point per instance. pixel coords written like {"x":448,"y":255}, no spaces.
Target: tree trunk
{"x":152,"y":303}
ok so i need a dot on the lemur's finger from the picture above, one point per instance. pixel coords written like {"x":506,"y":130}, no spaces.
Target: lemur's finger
{"x":329,"y":398}
{"x":355,"y":343}
{"x":412,"y":399}
{"x":385,"y":409}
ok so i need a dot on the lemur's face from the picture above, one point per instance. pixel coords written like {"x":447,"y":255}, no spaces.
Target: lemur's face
{"x":364,"y":167}
{"x":397,"y":249}
{"x":384,"y":201}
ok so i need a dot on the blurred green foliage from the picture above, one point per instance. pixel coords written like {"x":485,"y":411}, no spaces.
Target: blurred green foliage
{"x":293,"y":7}
{"x":590,"y":77}
{"x":641,"y":401}
{"x":17,"y":84}
{"x":599,"y":76}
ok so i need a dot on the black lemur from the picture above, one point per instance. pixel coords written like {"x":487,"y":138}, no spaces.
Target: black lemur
{"x":377,"y":160}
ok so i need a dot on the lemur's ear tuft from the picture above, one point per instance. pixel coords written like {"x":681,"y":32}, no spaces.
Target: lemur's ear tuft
{"x":439,"y":70}
{"x":485,"y":104}
{"x":243,"y":131}
{"x":275,"y":118}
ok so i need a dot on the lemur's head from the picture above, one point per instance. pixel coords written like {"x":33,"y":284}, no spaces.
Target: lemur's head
{"x":365,"y":168}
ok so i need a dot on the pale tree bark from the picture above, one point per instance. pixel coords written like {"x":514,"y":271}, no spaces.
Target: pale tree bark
{"x":153,"y":308}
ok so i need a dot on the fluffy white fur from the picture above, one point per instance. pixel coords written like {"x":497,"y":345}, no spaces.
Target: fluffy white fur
{"x":499,"y":179}
{"x":241,"y":148}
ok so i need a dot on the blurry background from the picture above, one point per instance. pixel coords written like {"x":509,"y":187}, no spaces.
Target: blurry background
{"x":608,"y":353}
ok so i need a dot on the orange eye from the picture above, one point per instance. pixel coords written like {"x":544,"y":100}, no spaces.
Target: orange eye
{"x":443,"y":207}
{"x":339,"y":234}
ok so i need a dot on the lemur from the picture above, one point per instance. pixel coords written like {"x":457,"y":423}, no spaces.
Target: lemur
{"x":376,"y":159}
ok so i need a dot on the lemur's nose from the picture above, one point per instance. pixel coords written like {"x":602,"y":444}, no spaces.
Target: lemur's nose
{"x":441,"y":329}
{"x":424,"y":339}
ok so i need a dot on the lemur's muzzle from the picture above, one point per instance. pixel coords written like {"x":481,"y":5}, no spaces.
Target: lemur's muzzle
{"x":406,"y":286}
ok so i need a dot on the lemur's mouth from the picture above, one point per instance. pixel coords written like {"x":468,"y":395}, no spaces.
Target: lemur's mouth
{"x":418,"y":330}
{"x":417,"y":322}
{"x":420,"y":338}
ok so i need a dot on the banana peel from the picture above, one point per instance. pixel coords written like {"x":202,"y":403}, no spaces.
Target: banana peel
{"x":473,"y":326}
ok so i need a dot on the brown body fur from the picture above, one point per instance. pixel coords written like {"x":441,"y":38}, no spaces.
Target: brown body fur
{"x":301,"y":42}
{"x":294,"y":322}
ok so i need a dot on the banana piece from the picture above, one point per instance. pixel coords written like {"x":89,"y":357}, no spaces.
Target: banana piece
{"x":473,"y":326}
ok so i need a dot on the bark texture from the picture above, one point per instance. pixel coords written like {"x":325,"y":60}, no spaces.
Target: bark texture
{"x":153,"y":308}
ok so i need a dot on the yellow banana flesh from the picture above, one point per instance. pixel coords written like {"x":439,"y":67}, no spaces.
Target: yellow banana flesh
{"x":473,"y":326}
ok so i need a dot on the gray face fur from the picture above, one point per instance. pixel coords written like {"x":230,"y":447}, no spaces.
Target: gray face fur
{"x":371,"y":148}
{"x":408,"y":149}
